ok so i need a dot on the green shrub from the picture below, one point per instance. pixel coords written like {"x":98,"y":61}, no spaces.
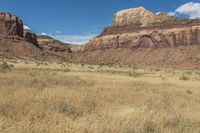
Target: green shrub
{"x":5,"y":67}
{"x":90,"y":67}
{"x":184,"y":77}
{"x":133,"y":73}
{"x":150,"y":127}
{"x":188,"y":72}
{"x":157,"y":69}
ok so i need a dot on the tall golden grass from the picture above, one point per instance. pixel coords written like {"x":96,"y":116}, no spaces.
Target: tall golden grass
{"x":49,"y":99}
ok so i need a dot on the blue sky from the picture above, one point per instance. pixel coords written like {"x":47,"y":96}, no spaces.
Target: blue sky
{"x":76,"y":21}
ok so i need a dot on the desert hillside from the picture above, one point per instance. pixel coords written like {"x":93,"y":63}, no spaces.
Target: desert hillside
{"x":138,"y":36}
{"x":19,"y":43}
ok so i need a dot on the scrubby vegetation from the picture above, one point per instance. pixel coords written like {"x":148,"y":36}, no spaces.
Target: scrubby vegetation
{"x":91,"y":99}
{"x":5,"y":67}
{"x":184,"y":77}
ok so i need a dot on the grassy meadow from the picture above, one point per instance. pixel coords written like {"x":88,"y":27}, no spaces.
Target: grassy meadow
{"x":45,"y":97}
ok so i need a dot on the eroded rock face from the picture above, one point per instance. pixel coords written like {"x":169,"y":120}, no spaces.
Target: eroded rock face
{"x":137,"y":16}
{"x":140,"y":28}
{"x":49,"y":44}
{"x":10,"y":25}
{"x":30,"y":37}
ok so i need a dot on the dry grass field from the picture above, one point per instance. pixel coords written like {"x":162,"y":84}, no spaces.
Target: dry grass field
{"x":43,"y":97}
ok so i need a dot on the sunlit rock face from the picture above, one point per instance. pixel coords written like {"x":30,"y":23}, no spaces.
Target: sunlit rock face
{"x":140,"y":28}
{"x":137,"y":16}
{"x":10,"y":25}
{"x":49,"y":44}
{"x":30,"y":37}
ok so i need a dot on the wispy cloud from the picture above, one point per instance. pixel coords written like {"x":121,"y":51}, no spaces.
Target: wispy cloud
{"x":171,"y":13}
{"x":158,"y":13}
{"x":75,"y":39}
{"x":191,"y":9}
{"x":26,"y":27}
{"x":45,"y":34}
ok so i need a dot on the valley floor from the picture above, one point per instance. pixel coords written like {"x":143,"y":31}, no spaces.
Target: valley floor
{"x":38,"y":97}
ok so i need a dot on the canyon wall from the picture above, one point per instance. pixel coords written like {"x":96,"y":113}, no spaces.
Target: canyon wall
{"x":140,"y":28}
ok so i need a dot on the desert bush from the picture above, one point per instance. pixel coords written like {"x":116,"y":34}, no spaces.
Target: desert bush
{"x":197,"y":59}
{"x":149,"y":127}
{"x":5,"y":67}
{"x":133,"y":73}
{"x":188,"y":92}
{"x":90,"y":67}
{"x":68,"y":110}
{"x":188,"y":72}
{"x":184,"y":77}
{"x":89,"y":105}
{"x":157,"y":69}
{"x":63,"y":107}
{"x":135,"y":67}
{"x":37,"y":63}
{"x":66,"y":70}
{"x":162,"y":77}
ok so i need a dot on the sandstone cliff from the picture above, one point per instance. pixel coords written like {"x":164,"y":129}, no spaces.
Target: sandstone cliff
{"x":19,"y":43}
{"x":49,"y":44}
{"x":140,"y":28}
{"x":10,"y":25}
{"x":140,"y":37}
{"x":30,"y":37}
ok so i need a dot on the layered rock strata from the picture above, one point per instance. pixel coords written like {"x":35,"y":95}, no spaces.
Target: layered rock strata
{"x":10,"y":25}
{"x":49,"y":44}
{"x":140,"y":28}
{"x":30,"y":37}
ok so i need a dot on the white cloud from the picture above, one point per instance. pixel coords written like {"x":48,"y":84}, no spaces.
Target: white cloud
{"x":171,"y":13}
{"x":26,"y":27}
{"x":158,"y":13}
{"x":75,"y":39}
{"x":191,"y":9}
{"x":43,"y":33}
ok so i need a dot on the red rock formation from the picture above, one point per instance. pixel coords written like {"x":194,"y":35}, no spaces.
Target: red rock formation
{"x":10,"y":25}
{"x":140,"y":28}
{"x":49,"y":44}
{"x":19,"y":43}
{"x":30,"y":37}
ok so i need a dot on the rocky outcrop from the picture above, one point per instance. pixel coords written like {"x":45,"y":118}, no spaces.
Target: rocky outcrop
{"x":140,"y":28}
{"x":19,"y":43}
{"x":49,"y":44}
{"x":30,"y":37}
{"x":138,"y":17}
{"x":10,"y":25}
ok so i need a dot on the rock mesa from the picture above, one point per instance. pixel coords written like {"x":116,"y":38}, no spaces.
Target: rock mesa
{"x":140,"y":28}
